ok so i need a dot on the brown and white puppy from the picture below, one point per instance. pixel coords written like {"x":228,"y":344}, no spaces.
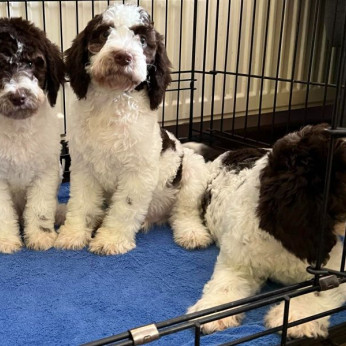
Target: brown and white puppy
{"x":31,"y":71}
{"x":119,"y":71}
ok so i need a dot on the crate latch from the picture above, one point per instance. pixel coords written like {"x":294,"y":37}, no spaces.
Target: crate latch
{"x":145,"y":334}
{"x":328,"y":282}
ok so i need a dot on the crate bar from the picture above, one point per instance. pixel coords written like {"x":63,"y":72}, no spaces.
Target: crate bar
{"x":277,"y":329}
{"x":26,"y":9}
{"x":329,"y":59}
{"x":314,"y":34}
{"x":214,"y":65}
{"x":204,"y":62}
{"x":225,"y":64}
{"x":197,"y":334}
{"x":8,"y":8}
{"x":164,"y":96}
{"x":285,"y":320}
{"x":44,"y":15}
{"x":343,"y":259}
{"x":179,"y":66}
{"x":278,"y":67}
{"x":237,"y":65}
{"x":263,"y":68}
{"x":77,"y":17}
{"x":249,"y":69}
{"x":294,"y":65}
{"x":280,"y":79}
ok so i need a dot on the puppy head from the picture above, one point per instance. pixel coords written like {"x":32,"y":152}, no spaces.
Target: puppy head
{"x":30,"y":67}
{"x":119,"y":50}
{"x":291,"y":192}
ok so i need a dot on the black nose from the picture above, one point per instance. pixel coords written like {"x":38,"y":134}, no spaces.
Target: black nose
{"x":17,"y":98}
{"x":122,"y":58}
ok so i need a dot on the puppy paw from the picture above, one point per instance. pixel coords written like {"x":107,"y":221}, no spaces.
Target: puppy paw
{"x":193,"y":238}
{"x":70,"y":238}
{"x":41,"y":239}
{"x":10,"y":244}
{"x":107,"y":242}
{"x":312,"y":329}
{"x":217,"y":325}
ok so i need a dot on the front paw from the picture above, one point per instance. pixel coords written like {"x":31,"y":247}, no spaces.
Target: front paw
{"x":10,"y":244}
{"x":217,"y":325}
{"x":313,"y":329}
{"x":192,"y":236}
{"x":40,"y":239}
{"x":108,"y":242}
{"x":71,"y":238}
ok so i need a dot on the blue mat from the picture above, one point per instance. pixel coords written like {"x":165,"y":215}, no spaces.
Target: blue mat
{"x":72,"y":297}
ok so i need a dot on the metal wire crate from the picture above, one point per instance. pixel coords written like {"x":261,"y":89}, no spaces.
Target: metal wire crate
{"x":245,"y":73}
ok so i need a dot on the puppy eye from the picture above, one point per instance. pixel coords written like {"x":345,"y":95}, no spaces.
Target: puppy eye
{"x":104,"y":35}
{"x":143,"y":41}
{"x":28,"y":63}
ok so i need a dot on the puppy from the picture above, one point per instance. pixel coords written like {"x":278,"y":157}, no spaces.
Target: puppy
{"x":125,"y":170}
{"x":31,"y":71}
{"x":263,"y":208}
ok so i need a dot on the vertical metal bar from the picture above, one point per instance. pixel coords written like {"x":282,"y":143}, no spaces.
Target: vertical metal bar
{"x":343,"y":258}
{"x":44,"y":15}
{"x":164,"y":96}
{"x":8,"y":8}
{"x":237,"y":65}
{"x":204,"y":62}
{"x":179,"y":66}
{"x":329,"y":59}
{"x":193,"y":64}
{"x":214,"y":65}
{"x":62,"y":49}
{"x":225,"y":65}
{"x":92,"y":9}
{"x":77,"y":17}
{"x":263,"y":68}
{"x":250,"y":64}
{"x":311,"y":59}
{"x":152,"y":10}
{"x":278,"y":68}
{"x":197,"y":334}
{"x":293,"y":66}
{"x":285,"y":321}
{"x":26,"y":9}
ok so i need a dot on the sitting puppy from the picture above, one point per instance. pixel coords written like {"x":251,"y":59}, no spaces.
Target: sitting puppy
{"x":263,"y":208}
{"x":31,"y":71}
{"x":125,"y":170}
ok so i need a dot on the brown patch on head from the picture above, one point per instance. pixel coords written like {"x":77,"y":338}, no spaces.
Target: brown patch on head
{"x":77,"y":57}
{"x":25,"y":48}
{"x":291,"y":192}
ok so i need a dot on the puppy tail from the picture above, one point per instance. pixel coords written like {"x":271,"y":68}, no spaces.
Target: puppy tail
{"x":208,"y":153}
{"x":60,"y":214}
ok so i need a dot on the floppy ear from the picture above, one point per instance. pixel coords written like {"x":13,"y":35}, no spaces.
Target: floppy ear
{"x":159,"y":75}
{"x":55,"y":74}
{"x":291,"y":193}
{"x":77,"y":57}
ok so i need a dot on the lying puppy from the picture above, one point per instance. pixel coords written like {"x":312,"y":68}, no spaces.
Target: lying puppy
{"x":263,"y":209}
{"x":121,"y":159}
{"x":31,"y":71}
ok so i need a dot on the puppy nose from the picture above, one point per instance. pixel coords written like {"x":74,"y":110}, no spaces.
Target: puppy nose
{"x":17,"y":98}
{"x":122,"y":58}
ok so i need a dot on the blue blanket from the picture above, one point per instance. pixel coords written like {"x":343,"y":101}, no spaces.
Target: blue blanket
{"x":71,"y":297}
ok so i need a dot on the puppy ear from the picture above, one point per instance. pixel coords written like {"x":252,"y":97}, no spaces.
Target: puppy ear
{"x":159,"y":75}
{"x":55,"y":74}
{"x":291,"y":192}
{"x":77,"y":57}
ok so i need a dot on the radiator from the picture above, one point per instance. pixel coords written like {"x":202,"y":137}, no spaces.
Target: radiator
{"x":248,"y":53}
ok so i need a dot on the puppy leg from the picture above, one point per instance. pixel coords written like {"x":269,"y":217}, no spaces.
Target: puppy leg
{"x":228,"y":283}
{"x":83,"y":211}
{"x":39,"y":212}
{"x":126,"y":213}
{"x":305,"y":306}
{"x":10,"y":240}
{"x":188,"y":228}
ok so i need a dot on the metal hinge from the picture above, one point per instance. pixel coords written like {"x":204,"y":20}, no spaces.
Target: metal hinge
{"x":145,"y":334}
{"x":328,"y":282}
